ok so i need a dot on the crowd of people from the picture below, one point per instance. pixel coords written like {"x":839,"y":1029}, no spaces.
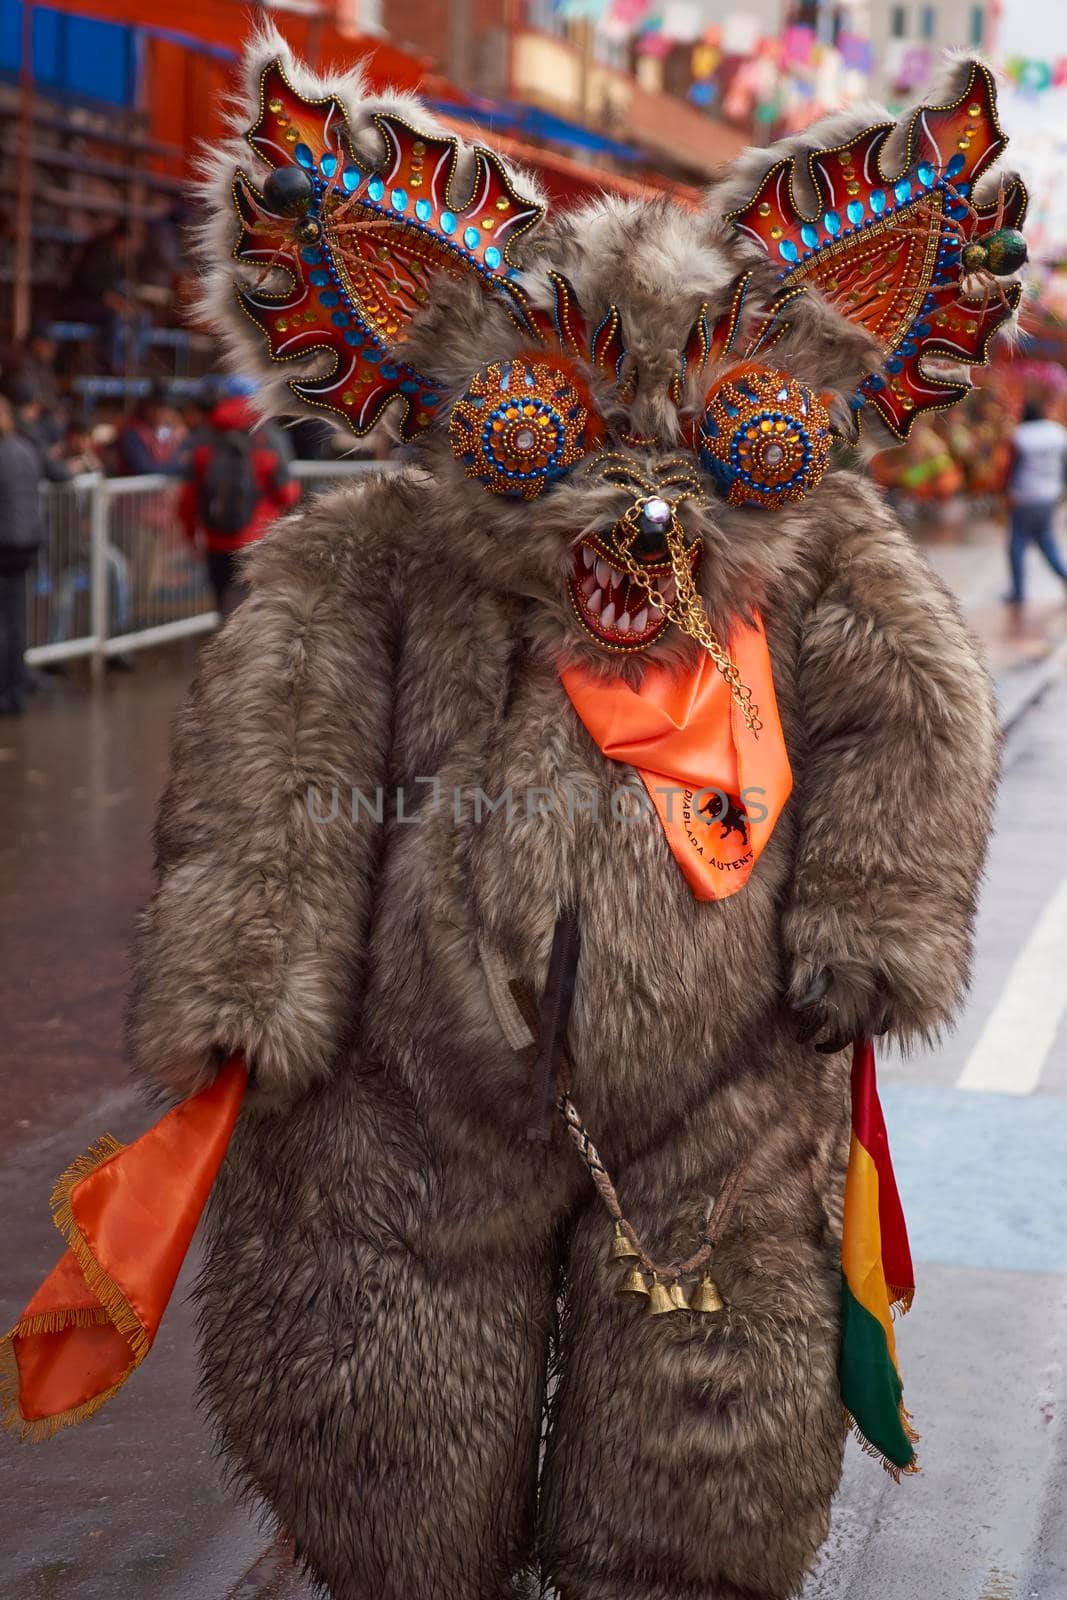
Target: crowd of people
{"x":234,"y":473}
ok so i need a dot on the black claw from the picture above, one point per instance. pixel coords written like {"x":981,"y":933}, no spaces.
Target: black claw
{"x":884,"y":1024}
{"x":820,"y":985}
{"x":831,"y":1046}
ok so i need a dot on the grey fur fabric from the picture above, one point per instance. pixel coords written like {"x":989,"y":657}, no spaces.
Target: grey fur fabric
{"x":392,"y":1269}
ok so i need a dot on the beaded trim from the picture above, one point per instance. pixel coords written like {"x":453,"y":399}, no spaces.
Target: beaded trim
{"x":886,"y":250}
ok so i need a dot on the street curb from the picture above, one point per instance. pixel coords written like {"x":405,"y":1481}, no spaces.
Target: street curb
{"x":1029,"y":685}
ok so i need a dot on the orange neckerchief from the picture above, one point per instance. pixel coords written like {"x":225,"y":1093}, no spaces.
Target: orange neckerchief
{"x":684,"y":733}
{"x":128,"y":1214}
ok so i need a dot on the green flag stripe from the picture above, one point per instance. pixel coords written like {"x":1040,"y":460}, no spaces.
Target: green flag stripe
{"x":870,"y":1385}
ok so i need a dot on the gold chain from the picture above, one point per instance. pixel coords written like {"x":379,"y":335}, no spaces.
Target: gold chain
{"x":687,"y":612}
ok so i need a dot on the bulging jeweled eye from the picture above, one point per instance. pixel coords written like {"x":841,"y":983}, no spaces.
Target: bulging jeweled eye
{"x":520,"y":426}
{"x":764,"y":437}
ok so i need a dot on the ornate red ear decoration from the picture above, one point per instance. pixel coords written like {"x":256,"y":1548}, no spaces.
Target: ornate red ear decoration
{"x":910,"y":256}
{"x":362,"y":247}
{"x":710,"y":342}
{"x":565,"y":325}
{"x":521,"y":425}
{"x":764,"y":437}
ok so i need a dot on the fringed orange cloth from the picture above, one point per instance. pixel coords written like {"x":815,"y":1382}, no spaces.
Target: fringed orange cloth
{"x":128,"y":1214}
{"x":718,"y":788}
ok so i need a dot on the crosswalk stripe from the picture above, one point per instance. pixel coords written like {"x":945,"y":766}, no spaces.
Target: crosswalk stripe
{"x":1015,"y":1042}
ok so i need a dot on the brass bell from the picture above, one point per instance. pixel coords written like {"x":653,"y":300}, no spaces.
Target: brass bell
{"x":706,"y":1296}
{"x":621,"y":1247}
{"x":634,"y":1283}
{"x":678,"y":1296}
{"x":660,"y":1303}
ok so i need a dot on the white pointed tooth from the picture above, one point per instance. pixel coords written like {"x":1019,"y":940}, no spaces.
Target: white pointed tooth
{"x":607,"y":616}
{"x":641,"y":620}
{"x":588,"y":556}
{"x":655,"y":614}
{"x":603,"y":574}
{"x":623,"y":623}
{"x":595,"y":602}
{"x":613,"y":576}
{"x":669,"y":590}
{"x":589,"y":585}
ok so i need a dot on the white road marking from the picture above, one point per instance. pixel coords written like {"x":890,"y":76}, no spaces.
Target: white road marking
{"x":1015,"y":1042}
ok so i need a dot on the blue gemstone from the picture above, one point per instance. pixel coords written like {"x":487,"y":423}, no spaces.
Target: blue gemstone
{"x":448,"y":222}
{"x":320,"y":278}
{"x":876,"y":381}
{"x":389,"y":372}
{"x":902,"y":190}
{"x":430,"y":400}
{"x":351,"y":178}
{"x":957,"y":164}
{"x":376,"y":188}
{"x":304,"y":156}
{"x":493,"y":258}
{"x":962,"y":188}
{"x":788,"y":250}
{"x":810,"y":236}
{"x":330,"y":298}
{"x":373,"y":355}
{"x":921,"y":329}
{"x":423,"y":210}
{"x":832,"y":223}
{"x":908,"y":349}
{"x":925,"y":174}
{"x":329,"y":165}
{"x":340,"y":319}
{"x":312,"y":257}
{"x":854,"y":209}
{"x":894,"y":365}
{"x":878,"y":201}
{"x":354,"y":336}
{"x":399,"y":197}
{"x":471,"y":238}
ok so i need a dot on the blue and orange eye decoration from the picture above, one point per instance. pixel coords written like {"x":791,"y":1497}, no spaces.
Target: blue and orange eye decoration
{"x":522,"y":425}
{"x":362,"y":247}
{"x":764,"y":437}
{"x":906,"y":253}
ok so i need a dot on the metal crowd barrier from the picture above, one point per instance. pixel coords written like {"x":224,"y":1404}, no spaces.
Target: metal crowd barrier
{"x":115,"y":572}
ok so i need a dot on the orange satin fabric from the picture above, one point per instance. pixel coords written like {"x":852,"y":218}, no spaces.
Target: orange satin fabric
{"x":129,"y":1219}
{"x":683,"y":731}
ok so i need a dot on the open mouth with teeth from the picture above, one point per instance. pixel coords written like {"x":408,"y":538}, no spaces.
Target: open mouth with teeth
{"x":614,"y":607}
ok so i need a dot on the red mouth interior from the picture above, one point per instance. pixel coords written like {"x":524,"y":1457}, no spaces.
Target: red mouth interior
{"x":612,"y":605}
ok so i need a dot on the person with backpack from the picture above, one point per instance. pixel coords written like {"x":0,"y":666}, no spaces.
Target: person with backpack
{"x":236,"y":483}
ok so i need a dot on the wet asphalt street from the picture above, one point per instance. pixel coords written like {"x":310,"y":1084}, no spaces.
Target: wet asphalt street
{"x":131,"y":1505}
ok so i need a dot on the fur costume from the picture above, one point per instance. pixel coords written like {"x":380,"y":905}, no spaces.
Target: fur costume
{"x":412,"y":1346}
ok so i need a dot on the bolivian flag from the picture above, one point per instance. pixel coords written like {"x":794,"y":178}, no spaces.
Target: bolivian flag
{"x":876,"y":1278}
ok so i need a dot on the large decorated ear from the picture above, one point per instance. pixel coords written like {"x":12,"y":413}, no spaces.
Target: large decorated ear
{"x":884,"y":222}
{"x":344,"y":210}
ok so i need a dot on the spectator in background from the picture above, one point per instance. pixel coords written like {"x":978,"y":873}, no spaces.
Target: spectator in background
{"x":144,"y":443}
{"x":30,"y":362}
{"x":98,"y":293}
{"x":32,"y":424}
{"x":1035,"y":487}
{"x":20,"y":537}
{"x":235,"y":485}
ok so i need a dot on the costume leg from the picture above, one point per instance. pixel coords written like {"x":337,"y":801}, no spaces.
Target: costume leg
{"x":690,"y":1454}
{"x":375,"y":1322}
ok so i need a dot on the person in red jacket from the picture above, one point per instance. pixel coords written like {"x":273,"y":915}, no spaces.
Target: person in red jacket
{"x":236,"y":483}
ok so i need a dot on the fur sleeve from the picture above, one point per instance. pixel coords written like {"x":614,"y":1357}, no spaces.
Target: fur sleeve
{"x":896,"y":789}
{"x":254,"y":938}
